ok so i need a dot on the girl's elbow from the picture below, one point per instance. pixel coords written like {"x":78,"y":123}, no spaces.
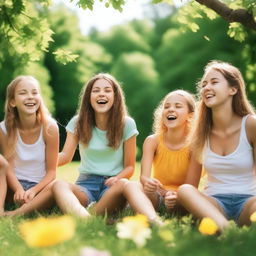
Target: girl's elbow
{"x":130,"y":172}
{"x":64,"y":160}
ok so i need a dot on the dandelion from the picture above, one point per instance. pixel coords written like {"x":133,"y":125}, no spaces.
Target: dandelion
{"x":253,"y":217}
{"x":208,"y":226}
{"x":44,"y":232}
{"x":135,"y":228}
{"x":90,"y":251}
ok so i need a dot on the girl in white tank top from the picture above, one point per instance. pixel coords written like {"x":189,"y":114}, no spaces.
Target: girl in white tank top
{"x":30,"y":143}
{"x":224,"y":140}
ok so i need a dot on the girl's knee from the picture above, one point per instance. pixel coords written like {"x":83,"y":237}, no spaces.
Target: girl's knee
{"x":3,"y":165}
{"x":58,"y":185}
{"x":184,"y":190}
{"x":122,"y":182}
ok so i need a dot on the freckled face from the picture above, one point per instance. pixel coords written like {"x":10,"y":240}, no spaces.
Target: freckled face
{"x":175,"y":111}
{"x":102,"y":96}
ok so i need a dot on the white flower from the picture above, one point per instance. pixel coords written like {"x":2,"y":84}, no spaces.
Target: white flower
{"x":135,"y":228}
{"x":90,"y":251}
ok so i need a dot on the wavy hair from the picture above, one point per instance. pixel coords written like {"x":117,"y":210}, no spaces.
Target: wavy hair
{"x":86,"y":114}
{"x":12,"y":119}
{"x":240,"y":104}
{"x":158,"y":124}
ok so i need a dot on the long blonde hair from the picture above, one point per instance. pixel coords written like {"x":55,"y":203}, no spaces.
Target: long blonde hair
{"x":240,"y":104}
{"x":158,"y":124}
{"x":86,"y":114}
{"x":12,"y":118}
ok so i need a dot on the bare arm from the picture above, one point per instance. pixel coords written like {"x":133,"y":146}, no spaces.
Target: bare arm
{"x":148,"y":153}
{"x":129,"y":162}
{"x":194,"y":172}
{"x":251,"y":134}
{"x":150,"y":185}
{"x":68,"y":151}
{"x":12,"y":180}
{"x":51,"y":137}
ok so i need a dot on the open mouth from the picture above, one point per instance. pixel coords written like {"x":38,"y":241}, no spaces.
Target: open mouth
{"x":102,"y":101}
{"x":171,"y":117}
{"x":30,"y":104}
{"x":209,"y":96}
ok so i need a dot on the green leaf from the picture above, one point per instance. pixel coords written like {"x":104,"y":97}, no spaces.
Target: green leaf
{"x":237,"y":31}
{"x":193,"y":26}
{"x":65,"y":56}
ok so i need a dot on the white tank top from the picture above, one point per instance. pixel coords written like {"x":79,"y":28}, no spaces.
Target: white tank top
{"x":233,"y":173}
{"x":29,"y":161}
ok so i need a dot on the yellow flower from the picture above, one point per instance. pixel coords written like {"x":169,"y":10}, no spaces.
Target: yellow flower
{"x":44,"y":232}
{"x":208,"y":226}
{"x":135,"y":228}
{"x":166,"y":234}
{"x":253,"y":217}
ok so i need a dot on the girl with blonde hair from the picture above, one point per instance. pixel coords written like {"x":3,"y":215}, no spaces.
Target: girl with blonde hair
{"x":30,"y":142}
{"x":167,"y":149}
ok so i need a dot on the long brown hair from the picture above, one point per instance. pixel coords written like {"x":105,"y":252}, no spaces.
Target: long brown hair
{"x":11,"y":117}
{"x":158,"y":124}
{"x":240,"y":104}
{"x":116,"y":118}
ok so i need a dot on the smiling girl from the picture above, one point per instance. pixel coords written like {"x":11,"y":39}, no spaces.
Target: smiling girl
{"x":224,"y":141}
{"x":106,"y":136}
{"x":167,"y":151}
{"x":31,"y":141}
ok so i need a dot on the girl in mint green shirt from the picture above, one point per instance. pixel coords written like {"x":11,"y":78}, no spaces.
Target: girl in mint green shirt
{"x":107,"y":145}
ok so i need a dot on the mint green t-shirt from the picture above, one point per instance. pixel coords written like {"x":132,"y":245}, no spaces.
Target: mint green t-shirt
{"x":98,"y":158}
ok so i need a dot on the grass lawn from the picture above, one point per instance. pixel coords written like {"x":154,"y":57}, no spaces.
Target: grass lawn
{"x":179,"y":237}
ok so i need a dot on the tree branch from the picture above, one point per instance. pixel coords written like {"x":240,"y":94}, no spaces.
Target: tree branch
{"x":240,"y":15}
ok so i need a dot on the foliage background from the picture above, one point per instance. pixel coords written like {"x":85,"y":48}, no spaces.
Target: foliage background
{"x":166,"y":50}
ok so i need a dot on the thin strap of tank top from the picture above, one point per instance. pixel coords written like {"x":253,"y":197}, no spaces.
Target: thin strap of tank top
{"x":243,"y":135}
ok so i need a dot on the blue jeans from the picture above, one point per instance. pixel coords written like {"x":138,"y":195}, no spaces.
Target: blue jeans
{"x":27,"y":184}
{"x":92,"y":185}
{"x":232,"y":204}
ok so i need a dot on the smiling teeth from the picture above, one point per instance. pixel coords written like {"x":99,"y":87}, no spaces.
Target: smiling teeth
{"x":171,"y":117}
{"x":102,"y":101}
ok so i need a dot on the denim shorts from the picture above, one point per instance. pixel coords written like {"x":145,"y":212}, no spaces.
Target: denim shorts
{"x":27,"y":184}
{"x":232,"y":204}
{"x":92,"y":185}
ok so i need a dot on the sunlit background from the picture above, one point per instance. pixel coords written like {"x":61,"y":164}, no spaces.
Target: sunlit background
{"x":150,"y":48}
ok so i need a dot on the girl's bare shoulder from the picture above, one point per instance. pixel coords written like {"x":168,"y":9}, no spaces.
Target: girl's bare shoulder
{"x":51,"y":128}
{"x":152,"y":140}
{"x":251,"y":128}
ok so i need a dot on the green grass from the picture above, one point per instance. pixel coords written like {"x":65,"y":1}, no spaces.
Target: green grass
{"x":96,"y":233}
